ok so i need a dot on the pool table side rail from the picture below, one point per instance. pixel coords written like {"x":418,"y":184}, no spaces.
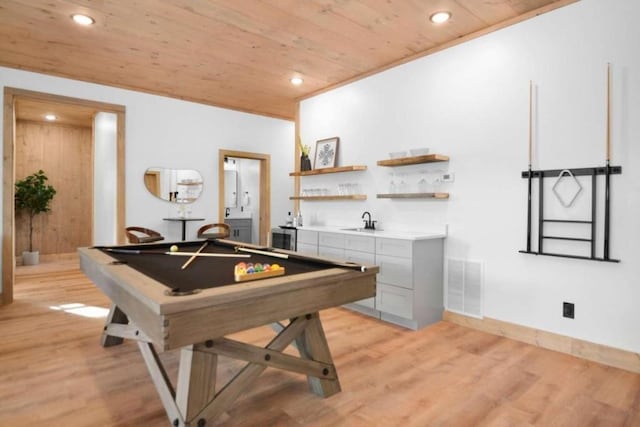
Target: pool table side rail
{"x":141,"y":311}
{"x":237,"y":315}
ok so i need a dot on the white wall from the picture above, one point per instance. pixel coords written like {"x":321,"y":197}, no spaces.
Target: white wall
{"x":471,"y":102}
{"x":177,"y":134}
{"x":105,"y":179}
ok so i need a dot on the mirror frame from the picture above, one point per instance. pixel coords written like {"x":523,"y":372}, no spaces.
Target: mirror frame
{"x":157,"y":171}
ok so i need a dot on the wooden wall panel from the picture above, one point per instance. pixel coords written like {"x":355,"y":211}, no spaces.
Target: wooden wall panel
{"x":64,"y":153}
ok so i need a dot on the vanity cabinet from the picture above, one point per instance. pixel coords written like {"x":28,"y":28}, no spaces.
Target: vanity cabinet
{"x":409,"y":289}
{"x":240,"y":229}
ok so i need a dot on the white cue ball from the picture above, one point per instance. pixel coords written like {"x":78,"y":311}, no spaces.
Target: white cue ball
{"x":173,"y":248}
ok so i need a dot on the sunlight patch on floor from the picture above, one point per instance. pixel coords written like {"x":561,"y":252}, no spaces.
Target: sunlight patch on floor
{"x":82,"y":310}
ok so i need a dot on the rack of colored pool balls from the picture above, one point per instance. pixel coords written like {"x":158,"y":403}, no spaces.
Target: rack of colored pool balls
{"x":244,"y":271}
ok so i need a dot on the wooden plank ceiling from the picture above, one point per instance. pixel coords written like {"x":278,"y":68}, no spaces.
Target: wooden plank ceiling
{"x":239,"y":54}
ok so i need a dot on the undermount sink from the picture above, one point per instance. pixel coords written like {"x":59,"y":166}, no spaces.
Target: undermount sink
{"x":361,"y":230}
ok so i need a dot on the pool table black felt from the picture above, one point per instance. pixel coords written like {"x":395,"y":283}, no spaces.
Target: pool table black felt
{"x":203,"y":272}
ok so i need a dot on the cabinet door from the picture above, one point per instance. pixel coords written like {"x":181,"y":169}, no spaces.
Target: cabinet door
{"x":362,"y":258}
{"x":308,"y":237}
{"x":332,"y":240}
{"x":331,"y":253}
{"x":244,"y":234}
{"x":240,"y":229}
{"x":395,"y":271}
{"x":394,"y":300}
{"x":307,"y":249}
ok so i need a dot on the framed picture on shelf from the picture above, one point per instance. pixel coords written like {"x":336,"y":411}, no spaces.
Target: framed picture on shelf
{"x":326,"y":153}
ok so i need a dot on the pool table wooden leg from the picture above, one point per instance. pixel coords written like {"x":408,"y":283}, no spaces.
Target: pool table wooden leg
{"x":116,"y":316}
{"x":196,"y":381}
{"x":312,"y":344}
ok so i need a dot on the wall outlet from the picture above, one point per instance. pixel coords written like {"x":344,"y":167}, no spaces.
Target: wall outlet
{"x":448,"y":177}
{"x":568,"y":310}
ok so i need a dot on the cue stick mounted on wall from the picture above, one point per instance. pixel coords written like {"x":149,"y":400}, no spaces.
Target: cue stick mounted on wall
{"x":608,"y":167}
{"x":530,"y":162}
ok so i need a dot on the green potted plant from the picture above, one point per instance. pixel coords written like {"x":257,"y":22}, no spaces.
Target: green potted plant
{"x":33,"y":196}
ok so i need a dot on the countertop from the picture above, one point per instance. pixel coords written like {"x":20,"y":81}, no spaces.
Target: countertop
{"x":389,"y":234}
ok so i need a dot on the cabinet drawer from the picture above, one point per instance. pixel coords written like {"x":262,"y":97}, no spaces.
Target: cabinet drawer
{"x":334,"y":240}
{"x":332,"y":253}
{"x":360,"y":243}
{"x":360,"y":257}
{"x":394,"y":247}
{"x":306,"y":236}
{"x":395,"y":271}
{"x":307,"y":249}
{"x":394,"y":300}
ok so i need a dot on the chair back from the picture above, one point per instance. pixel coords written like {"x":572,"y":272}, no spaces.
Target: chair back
{"x":223,"y":232}
{"x":142,"y":235}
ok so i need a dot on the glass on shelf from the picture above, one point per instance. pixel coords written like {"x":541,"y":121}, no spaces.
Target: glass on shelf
{"x":402,"y":184}
{"x":423,"y":185}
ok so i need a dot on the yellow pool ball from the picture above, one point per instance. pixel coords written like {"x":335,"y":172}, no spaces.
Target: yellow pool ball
{"x":173,"y":248}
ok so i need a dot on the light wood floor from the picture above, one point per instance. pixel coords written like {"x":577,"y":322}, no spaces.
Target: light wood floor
{"x":53,"y":372}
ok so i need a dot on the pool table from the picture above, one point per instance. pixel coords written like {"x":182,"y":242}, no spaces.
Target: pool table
{"x":164,"y":306}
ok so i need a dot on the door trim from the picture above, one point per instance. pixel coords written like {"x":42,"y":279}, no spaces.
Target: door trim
{"x":265,"y":189}
{"x":8,"y":173}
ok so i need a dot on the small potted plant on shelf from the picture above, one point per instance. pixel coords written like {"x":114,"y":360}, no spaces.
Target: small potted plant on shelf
{"x":33,"y":196}
{"x":305,"y":163}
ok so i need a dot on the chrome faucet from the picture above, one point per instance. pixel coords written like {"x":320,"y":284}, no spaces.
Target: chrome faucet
{"x":368,"y":223}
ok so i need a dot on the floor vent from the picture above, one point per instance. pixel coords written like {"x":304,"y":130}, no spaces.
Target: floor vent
{"x":464,"y":287}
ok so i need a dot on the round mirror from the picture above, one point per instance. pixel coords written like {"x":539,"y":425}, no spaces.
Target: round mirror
{"x":174,"y":185}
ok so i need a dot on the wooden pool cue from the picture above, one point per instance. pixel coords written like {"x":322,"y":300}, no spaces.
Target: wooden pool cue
{"x":530,"y":172}
{"x":195,"y":254}
{"x":607,"y":167}
{"x":190,"y":260}
{"x":267,"y":253}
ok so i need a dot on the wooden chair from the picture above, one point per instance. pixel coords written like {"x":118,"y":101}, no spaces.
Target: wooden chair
{"x":142,"y":235}
{"x":224,"y":231}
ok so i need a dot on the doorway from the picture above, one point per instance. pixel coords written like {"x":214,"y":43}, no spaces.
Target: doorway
{"x":243,"y":198}
{"x":19,"y":102}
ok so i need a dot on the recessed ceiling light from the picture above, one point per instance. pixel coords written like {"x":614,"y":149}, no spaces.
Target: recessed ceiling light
{"x":296,"y":81}
{"x":51,"y":117}
{"x":440,"y":17}
{"x":81,"y":19}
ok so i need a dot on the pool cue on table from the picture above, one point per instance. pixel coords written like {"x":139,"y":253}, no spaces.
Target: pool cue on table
{"x":305,"y":258}
{"x":149,"y":252}
{"x":267,"y":253}
{"x":205,"y":255}
{"x":190,"y":260}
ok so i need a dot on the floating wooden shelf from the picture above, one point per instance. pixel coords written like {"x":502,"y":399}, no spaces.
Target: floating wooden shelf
{"x":331,"y":197}
{"x":189,"y":183}
{"x":330,"y":170}
{"x":403,"y":161}
{"x":414,"y":196}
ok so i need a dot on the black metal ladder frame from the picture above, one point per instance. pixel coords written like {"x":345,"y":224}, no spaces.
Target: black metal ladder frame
{"x":607,"y":171}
